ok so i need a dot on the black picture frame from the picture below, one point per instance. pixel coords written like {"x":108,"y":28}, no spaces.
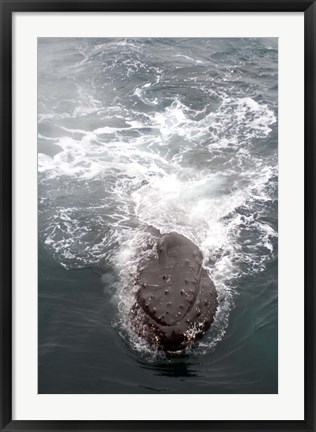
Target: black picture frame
{"x":7,"y":8}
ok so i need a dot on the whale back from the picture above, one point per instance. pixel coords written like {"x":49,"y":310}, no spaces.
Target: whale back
{"x":176,"y":300}
{"x":169,"y":285}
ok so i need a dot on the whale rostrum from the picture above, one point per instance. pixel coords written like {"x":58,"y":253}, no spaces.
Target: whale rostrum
{"x":175,"y":298}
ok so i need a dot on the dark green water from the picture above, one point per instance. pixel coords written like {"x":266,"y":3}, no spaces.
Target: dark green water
{"x":81,"y":352}
{"x":179,"y":134}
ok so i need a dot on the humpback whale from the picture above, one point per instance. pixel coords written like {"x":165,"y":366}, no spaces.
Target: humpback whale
{"x":175,"y":299}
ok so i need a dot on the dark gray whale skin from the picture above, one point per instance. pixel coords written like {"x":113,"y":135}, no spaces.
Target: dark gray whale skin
{"x":175,"y":298}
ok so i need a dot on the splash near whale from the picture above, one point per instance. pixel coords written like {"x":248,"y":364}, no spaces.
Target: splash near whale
{"x":175,"y":301}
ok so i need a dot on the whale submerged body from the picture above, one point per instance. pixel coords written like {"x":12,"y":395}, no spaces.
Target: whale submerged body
{"x":175,"y":299}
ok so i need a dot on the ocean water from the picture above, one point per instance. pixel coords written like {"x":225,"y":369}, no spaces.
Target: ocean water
{"x":140,"y":136}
